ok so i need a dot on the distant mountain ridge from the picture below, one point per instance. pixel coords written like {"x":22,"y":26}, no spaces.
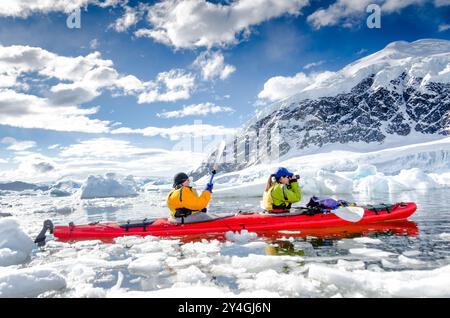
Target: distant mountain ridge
{"x":400,"y":90}
{"x":21,"y":186}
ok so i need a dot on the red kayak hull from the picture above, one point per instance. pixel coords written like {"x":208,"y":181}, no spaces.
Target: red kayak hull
{"x":255,"y":222}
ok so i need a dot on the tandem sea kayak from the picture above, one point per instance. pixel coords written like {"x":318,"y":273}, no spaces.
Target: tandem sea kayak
{"x":253,"y":222}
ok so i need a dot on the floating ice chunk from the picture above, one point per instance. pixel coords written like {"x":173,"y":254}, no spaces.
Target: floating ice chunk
{"x":243,"y":249}
{"x":256,"y":263}
{"x":201,"y":248}
{"x":59,"y":193}
{"x":241,"y":237}
{"x":84,"y":244}
{"x":196,"y":291}
{"x":410,"y":261}
{"x":286,"y":285}
{"x":367,"y":240}
{"x":15,"y":245}
{"x":111,"y":185}
{"x":413,"y":283}
{"x":350,"y":265}
{"x":29,"y":282}
{"x":148,"y":265}
{"x":411,"y":253}
{"x":370,"y":252}
{"x":191,"y":275}
{"x":444,"y":236}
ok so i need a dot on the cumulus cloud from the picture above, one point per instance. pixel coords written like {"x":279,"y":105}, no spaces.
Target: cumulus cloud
{"x":441,"y":3}
{"x":29,"y":111}
{"x":43,"y":167}
{"x":16,"y":145}
{"x":168,"y":86}
{"x":201,"y":109}
{"x":130,"y":17}
{"x":178,"y":132}
{"x":100,"y":156}
{"x":79,"y":80}
{"x":443,"y":27}
{"x":200,"y":23}
{"x":345,"y":12}
{"x":24,"y":8}
{"x":212,"y":65}
{"x":33,"y":166}
{"x":280,"y":87}
{"x":106,"y":148}
{"x":313,"y":64}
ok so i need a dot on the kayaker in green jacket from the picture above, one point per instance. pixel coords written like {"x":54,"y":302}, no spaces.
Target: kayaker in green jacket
{"x":281,"y":191}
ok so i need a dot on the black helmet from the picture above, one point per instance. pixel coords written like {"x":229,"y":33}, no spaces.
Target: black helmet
{"x":179,"y":178}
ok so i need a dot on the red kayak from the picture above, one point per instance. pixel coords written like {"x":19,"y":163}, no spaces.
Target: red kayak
{"x":253,"y":222}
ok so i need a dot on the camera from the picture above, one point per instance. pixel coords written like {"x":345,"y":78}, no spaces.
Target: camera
{"x":294,"y":178}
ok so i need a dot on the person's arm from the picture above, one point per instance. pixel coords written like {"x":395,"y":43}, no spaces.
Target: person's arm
{"x":193,"y":202}
{"x":296,"y":190}
{"x":287,"y":194}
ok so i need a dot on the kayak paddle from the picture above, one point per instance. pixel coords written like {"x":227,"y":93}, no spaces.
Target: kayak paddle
{"x":349,"y":213}
{"x":217,"y":160}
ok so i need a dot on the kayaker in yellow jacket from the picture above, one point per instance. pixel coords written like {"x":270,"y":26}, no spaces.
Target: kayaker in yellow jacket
{"x":184,"y":202}
{"x":281,"y":191}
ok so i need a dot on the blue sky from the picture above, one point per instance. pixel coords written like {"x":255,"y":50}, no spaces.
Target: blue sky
{"x":221,"y":63}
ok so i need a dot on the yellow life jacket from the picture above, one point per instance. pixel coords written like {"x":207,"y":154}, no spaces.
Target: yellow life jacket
{"x":267,"y":201}
{"x":187,"y":198}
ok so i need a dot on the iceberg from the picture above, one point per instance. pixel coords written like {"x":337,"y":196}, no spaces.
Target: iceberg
{"x":110,"y":186}
{"x":15,"y":245}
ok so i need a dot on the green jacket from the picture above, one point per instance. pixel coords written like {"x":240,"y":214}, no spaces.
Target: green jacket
{"x":285,"y":195}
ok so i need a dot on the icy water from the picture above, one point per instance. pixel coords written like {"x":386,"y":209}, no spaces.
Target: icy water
{"x":379,"y":264}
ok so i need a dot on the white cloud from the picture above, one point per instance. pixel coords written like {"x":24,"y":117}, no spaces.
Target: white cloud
{"x":313,"y":64}
{"x":200,"y":23}
{"x":201,"y":109}
{"x":178,"y":132}
{"x":280,"y":87}
{"x":105,"y":148}
{"x":336,"y":12}
{"x":24,"y":8}
{"x":99,"y":156}
{"x":345,"y":12}
{"x":441,"y":3}
{"x":78,"y":80}
{"x":55,"y":146}
{"x":212,"y":66}
{"x":443,"y":27}
{"x":94,"y":43}
{"x":16,"y":145}
{"x":33,"y":166}
{"x":130,"y":17}
{"x":29,"y":111}
{"x":168,"y":86}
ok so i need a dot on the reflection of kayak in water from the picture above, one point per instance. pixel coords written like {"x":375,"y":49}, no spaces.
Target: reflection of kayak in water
{"x":266,"y":224}
{"x":402,"y":227}
{"x":398,"y":228}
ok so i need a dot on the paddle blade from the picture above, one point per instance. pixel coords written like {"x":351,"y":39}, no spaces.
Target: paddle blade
{"x":350,"y":213}
{"x":219,"y":156}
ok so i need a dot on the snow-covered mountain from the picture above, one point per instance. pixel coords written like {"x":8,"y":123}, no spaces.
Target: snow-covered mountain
{"x":399,"y":95}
